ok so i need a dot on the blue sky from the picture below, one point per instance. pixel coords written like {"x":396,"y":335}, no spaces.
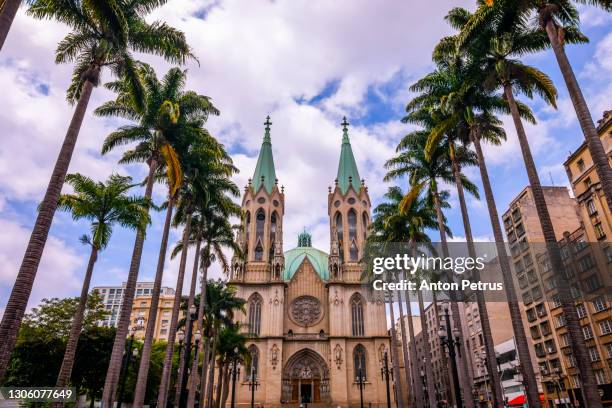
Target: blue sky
{"x":304,"y":65}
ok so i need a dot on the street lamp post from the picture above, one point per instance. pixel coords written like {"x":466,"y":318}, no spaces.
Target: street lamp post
{"x":385,"y":371}
{"x":446,"y":338}
{"x":127,"y":355}
{"x":181,"y":338}
{"x":186,"y":356}
{"x":253,"y":384}
{"x":235,"y":372}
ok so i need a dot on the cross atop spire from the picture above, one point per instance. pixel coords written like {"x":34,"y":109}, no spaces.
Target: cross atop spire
{"x":347,"y":168}
{"x":267,"y":123}
{"x":345,"y":126}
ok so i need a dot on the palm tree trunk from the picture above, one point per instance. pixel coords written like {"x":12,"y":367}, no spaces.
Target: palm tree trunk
{"x":193,"y":377}
{"x":219,"y":382}
{"x":394,"y":356}
{"x":489,"y":345}
{"x":427,"y":351}
{"x":226,"y":384}
{"x":189,"y":325}
{"x":162,"y":397}
{"x":600,"y":159}
{"x":418,"y":389}
{"x":145,"y":360}
{"x":77,"y":325}
{"x":7,"y":15}
{"x":465,"y":376}
{"x":18,"y":301}
{"x":577,"y":342}
{"x":116,"y":359}
{"x":205,"y":362}
{"x":407,"y":360}
{"x":211,"y":374}
{"x":533,"y":397}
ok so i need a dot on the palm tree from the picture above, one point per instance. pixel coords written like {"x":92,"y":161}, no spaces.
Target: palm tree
{"x":166,"y":117}
{"x":8,"y":11}
{"x":212,"y":229}
{"x":558,"y":19}
{"x":231,"y":348}
{"x":207,"y":169}
{"x":169,"y":114}
{"x":501,"y":69}
{"x":219,"y":311}
{"x":104,"y":33}
{"x":104,"y":204}
{"x":427,"y":147}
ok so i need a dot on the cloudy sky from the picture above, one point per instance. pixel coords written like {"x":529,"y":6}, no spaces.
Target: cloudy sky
{"x":304,"y":63}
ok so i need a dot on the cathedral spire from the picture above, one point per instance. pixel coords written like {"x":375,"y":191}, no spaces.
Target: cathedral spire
{"x":264,"y":170}
{"x":348,"y":175}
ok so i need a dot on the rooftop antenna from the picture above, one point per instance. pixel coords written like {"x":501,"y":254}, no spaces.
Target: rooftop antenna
{"x":552,"y":182}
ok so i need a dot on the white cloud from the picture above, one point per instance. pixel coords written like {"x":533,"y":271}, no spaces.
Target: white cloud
{"x":61,"y":267}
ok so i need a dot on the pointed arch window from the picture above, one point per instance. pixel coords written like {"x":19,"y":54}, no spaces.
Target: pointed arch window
{"x":339,"y":232}
{"x":255,"y":303}
{"x":364,"y":222}
{"x":273,"y":227}
{"x":252,"y":367}
{"x":352,"y":223}
{"x":357,"y":315}
{"x":359,"y":359}
{"x":248,"y":232}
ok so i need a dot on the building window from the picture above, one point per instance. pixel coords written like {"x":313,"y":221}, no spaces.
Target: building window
{"x":594,"y":354}
{"x":255,"y":314}
{"x":352,"y":223}
{"x":357,"y":315}
{"x":359,"y":357}
{"x":252,"y":367}
{"x":592,"y":283}
{"x":591,"y":207}
{"x":587,"y":332}
{"x":600,"y":376}
{"x":565,"y":340}
{"x":609,"y":349}
{"x":605,"y":327}
{"x":364,"y":221}
{"x":581,"y":310}
{"x":340,"y":232}
{"x":580,"y":164}
{"x":260,"y":220}
{"x":585,"y":263}
{"x":561,"y":321}
{"x":599,"y":304}
{"x":599,"y":231}
{"x":556,"y":301}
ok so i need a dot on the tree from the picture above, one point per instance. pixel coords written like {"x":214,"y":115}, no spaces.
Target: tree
{"x":501,"y":69}
{"x":166,"y":119}
{"x":53,"y":317}
{"x":104,"y":204}
{"x":207,"y":171}
{"x":558,"y":21}
{"x":104,"y":33}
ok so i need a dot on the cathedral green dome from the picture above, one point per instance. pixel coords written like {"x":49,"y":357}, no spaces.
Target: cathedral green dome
{"x":294,"y":258}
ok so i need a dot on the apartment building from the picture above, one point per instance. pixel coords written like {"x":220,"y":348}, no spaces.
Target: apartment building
{"x":594,"y":211}
{"x":112,"y":298}
{"x":141,"y":311}
{"x":537,"y":287}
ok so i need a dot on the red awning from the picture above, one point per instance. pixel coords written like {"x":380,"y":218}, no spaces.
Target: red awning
{"x":520,"y":400}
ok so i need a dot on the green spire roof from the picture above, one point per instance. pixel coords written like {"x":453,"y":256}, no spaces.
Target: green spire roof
{"x":296,"y":256}
{"x":347,"y":168}
{"x":265,"y":163}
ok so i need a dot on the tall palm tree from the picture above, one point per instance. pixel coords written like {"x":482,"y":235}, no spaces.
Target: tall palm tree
{"x":104,"y":34}
{"x":212,"y":229}
{"x":501,"y":68}
{"x":429,"y":146}
{"x":168,"y":115}
{"x":8,"y":11}
{"x":557,"y":19}
{"x":104,"y":204}
{"x":207,"y":168}
{"x":159,"y":123}
{"x":232,"y":346}
{"x":221,"y":306}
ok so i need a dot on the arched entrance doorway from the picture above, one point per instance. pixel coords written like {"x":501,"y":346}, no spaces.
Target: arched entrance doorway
{"x":305,"y":378}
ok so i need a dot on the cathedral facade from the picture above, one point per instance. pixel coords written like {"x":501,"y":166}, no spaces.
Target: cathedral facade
{"x":313,"y":327}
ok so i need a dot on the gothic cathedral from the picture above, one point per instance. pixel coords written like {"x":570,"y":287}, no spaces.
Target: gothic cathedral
{"x":312,"y":326}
